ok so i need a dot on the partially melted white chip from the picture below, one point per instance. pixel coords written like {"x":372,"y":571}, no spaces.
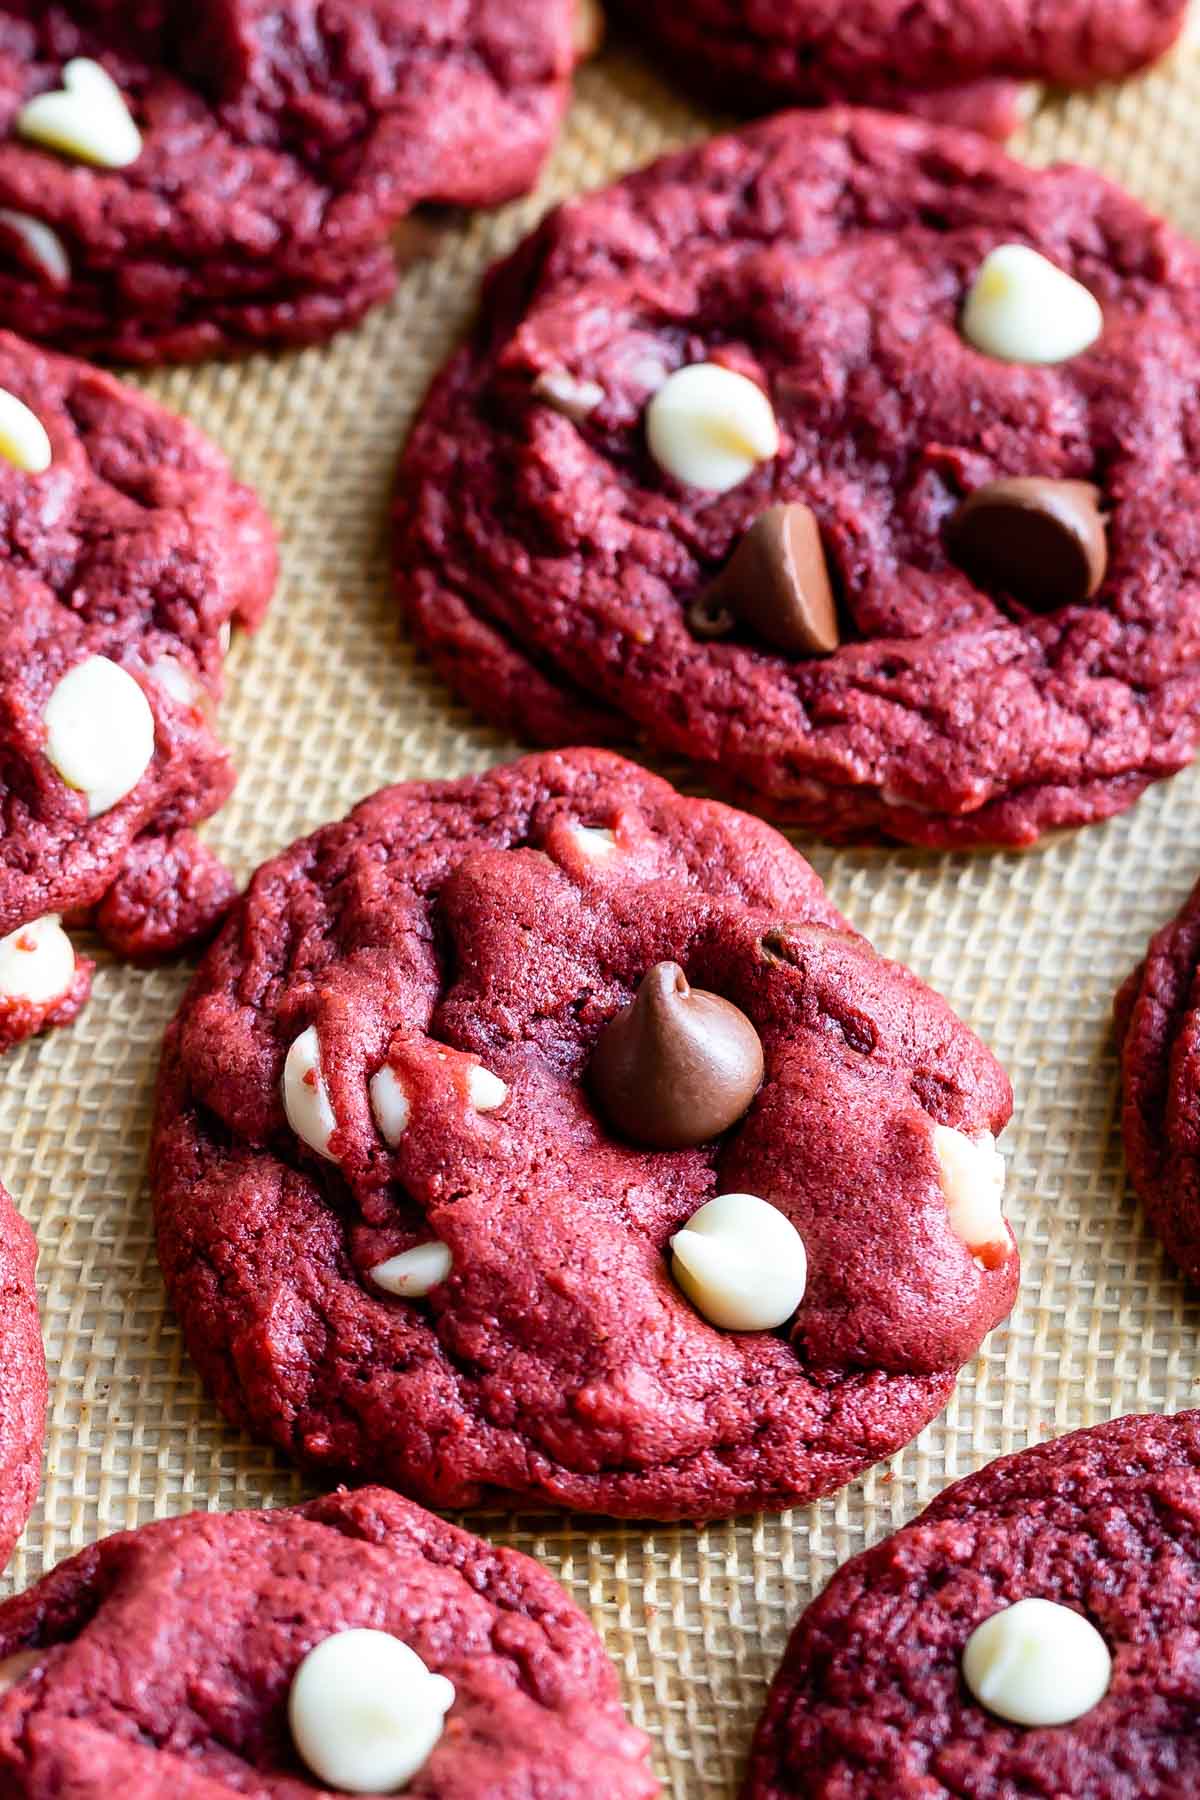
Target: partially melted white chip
{"x":573,"y":398}
{"x":99,"y":732}
{"x":365,"y":1712}
{"x":305,"y":1097}
{"x":741,"y":1263}
{"x":594,"y":842}
{"x":971,"y":1172}
{"x":15,"y":1668}
{"x":178,"y":681}
{"x":1037,"y":1663}
{"x":1024,"y":309}
{"x":484,"y":1090}
{"x":390,"y":1104}
{"x":37,"y":962}
{"x":414,"y":1273}
{"x":43,"y":244}
{"x":24,"y":441}
{"x":86,"y":118}
{"x":710,"y":427}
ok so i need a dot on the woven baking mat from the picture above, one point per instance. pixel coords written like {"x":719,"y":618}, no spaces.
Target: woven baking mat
{"x":325,"y":706}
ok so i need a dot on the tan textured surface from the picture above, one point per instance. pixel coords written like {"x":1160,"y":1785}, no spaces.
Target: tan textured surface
{"x":324,"y":707}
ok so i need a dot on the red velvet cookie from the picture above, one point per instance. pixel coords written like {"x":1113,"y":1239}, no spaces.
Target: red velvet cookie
{"x":129,"y":551}
{"x":422,"y":1180}
{"x":964,"y":63}
{"x":22,"y":1377}
{"x":185,"y":1660}
{"x":876,"y":1695}
{"x":240,"y":184}
{"x":795,"y":317}
{"x":1158,"y":1028}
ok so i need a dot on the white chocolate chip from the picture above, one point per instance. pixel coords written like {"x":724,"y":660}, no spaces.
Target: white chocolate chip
{"x":710,"y":427}
{"x":37,"y":962}
{"x":23,"y":438}
{"x":575,"y":400}
{"x":99,"y":732}
{"x":225,"y":636}
{"x":365,"y":1712}
{"x":43,"y":244}
{"x":1037,"y":1663}
{"x":86,"y":118}
{"x":178,"y":681}
{"x":593,"y":842}
{"x":1022,"y":308}
{"x":390,"y":1104}
{"x":15,"y":1668}
{"x":741,"y":1263}
{"x":305,"y":1096}
{"x":414,"y":1272}
{"x":971,"y":1172}
{"x":485,"y":1091}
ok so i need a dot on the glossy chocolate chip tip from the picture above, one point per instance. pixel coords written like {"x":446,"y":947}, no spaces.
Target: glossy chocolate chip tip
{"x":776,"y":583}
{"x":1042,"y":541}
{"x":676,"y":1067}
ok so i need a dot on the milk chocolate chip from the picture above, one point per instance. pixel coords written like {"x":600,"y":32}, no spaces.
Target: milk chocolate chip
{"x":1042,"y":541}
{"x":777,"y":583}
{"x":677,"y":1067}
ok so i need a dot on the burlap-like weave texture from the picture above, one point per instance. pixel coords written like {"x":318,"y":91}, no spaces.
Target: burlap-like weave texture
{"x":327,"y":704}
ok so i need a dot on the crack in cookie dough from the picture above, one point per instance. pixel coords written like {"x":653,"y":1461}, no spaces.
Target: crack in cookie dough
{"x":279,"y":146}
{"x":159,"y":1661}
{"x":538,"y":1343}
{"x":547,"y":561}
{"x":126,"y":559}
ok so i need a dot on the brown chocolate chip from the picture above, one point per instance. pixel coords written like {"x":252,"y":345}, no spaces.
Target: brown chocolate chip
{"x":1042,"y":541}
{"x":777,"y":583}
{"x":678,"y":1066}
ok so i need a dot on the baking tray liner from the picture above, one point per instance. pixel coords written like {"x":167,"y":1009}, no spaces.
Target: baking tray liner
{"x":326,"y":705}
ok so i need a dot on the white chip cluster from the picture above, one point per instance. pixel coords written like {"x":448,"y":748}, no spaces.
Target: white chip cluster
{"x":365,"y":1712}
{"x":710,"y":427}
{"x":99,"y":732}
{"x":1037,"y":1663}
{"x":86,"y":119}
{"x":741,"y":1262}
{"x":1022,"y":308}
{"x":37,"y":962}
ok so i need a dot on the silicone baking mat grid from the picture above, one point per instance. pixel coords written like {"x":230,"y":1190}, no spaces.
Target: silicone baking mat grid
{"x":325,"y":706}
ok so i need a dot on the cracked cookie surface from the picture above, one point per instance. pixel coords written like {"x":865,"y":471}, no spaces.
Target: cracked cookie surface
{"x":135,"y":549}
{"x":22,"y":1376}
{"x":549,"y":565}
{"x":159,"y":1661}
{"x":387,"y":1048}
{"x":281,"y":147}
{"x":963,"y":64}
{"x":870,"y":1701}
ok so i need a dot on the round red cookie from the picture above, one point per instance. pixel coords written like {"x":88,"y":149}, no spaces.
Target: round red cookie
{"x":22,"y":1377}
{"x":870,"y":1702}
{"x":1158,"y":1029}
{"x":549,"y":564}
{"x":472,"y":939}
{"x":159,"y":1662}
{"x":961,"y":62}
{"x":128,"y":558}
{"x":281,"y":146}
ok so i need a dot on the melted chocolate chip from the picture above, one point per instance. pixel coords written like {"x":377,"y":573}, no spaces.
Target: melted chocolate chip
{"x":1042,"y":541}
{"x":777,"y":583}
{"x":678,"y":1066}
